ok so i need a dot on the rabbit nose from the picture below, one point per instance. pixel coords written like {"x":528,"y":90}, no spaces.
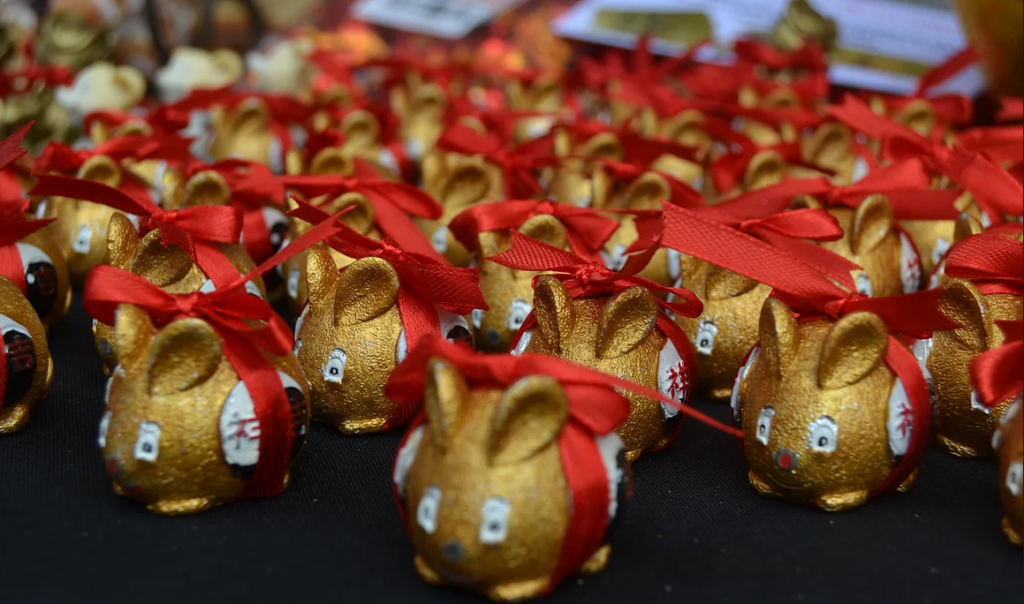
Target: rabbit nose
{"x":453,"y":552}
{"x":493,"y":337}
{"x":786,"y":460}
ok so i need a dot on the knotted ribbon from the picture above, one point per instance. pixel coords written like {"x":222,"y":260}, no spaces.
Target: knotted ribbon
{"x":197,"y":230}
{"x":249,"y":330}
{"x":424,"y":282}
{"x":993,"y":187}
{"x":393,"y":203}
{"x":812,"y":295}
{"x":994,"y":262}
{"x":517,"y":162}
{"x":586,"y":229}
{"x":996,"y":374}
{"x":954,"y":109}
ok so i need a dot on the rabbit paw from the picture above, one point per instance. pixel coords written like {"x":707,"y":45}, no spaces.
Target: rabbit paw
{"x":842,"y":501}
{"x":907,"y":482}
{"x":598,"y":561}
{"x":180,"y":506}
{"x":958,"y":449}
{"x":762,"y":487}
{"x":1010,"y":532}
{"x":521,"y":590}
{"x":13,"y":418}
{"x":425,"y":572}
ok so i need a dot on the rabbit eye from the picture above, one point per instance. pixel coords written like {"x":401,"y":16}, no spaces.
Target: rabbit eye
{"x":83,"y":240}
{"x":494,"y":521}
{"x":706,"y":332}
{"x":1013,"y":478}
{"x":823,"y":435}
{"x":426,"y":512}
{"x":518,"y":310}
{"x":147,"y":446}
{"x":524,"y":341}
{"x":764,"y":425}
{"x":334,"y":368}
{"x":863,"y":283}
{"x":101,"y":440}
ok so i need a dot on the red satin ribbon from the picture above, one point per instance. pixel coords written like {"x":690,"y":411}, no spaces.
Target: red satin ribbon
{"x":517,"y":162}
{"x":1000,"y":144}
{"x":283,"y":108}
{"x":196,"y":230}
{"x":682,"y":193}
{"x":809,"y":56}
{"x":996,"y":374}
{"x":393,"y":204}
{"x":1011,"y":109}
{"x":14,"y":227}
{"x":424,"y":282}
{"x":993,"y":187}
{"x":164,"y":120}
{"x":586,"y":229}
{"x":994,"y":262}
{"x":58,"y":157}
{"x":10,"y":147}
{"x":728,"y":170}
{"x":50,"y":75}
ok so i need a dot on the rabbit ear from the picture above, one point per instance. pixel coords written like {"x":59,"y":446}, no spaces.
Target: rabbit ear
{"x":182,"y":356}
{"x":361,"y":129}
{"x":604,"y":144}
{"x":546,"y":228}
{"x":646,"y":192}
{"x":625,"y":321}
{"x":766,"y":168}
{"x":779,"y":337}
{"x":805,"y":202}
{"x":228,"y":64}
{"x":556,"y":316}
{"x":962,"y":302}
{"x":361,"y":217}
{"x":367,"y":288}
{"x":122,"y":241}
{"x":918,"y":116}
{"x":966,"y":225}
{"x":206,"y":188}
{"x":332,"y":160}
{"x":252,"y":116}
{"x":131,"y":83}
{"x":423,"y":114}
{"x":529,"y":418}
{"x":101,"y":168}
{"x":467,"y":184}
{"x":829,"y":146}
{"x":133,"y":331}
{"x":445,"y":390}
{"x":853,"y":348}
{"x":321,"y":277}
{"x":872,"y":222}
{"x":722,"y":284}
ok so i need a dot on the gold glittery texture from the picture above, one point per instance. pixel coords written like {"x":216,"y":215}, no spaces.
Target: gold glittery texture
{"x":789,"y":459}
{"x":14,"y":414}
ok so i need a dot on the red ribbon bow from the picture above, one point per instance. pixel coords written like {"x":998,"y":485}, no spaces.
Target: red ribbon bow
{"x":165,"y":120}
{"x":197,"y":230}
{"x":424,"y":282}
{"x":992,"y":186}
{"x":393,"y":203}
{"x":996,"y":374}
{"x":682,"y":193}
{"x":727,"y":171}
{"x":14,"y":226}
{"x":993,"y":261}
{"x":58,"y":157}
{"x":586,"y":229}
{"x":517,"y":162}
{"x":230,"y":311}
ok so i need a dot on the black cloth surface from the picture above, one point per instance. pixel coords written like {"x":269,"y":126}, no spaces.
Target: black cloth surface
{"x":695,"y":530}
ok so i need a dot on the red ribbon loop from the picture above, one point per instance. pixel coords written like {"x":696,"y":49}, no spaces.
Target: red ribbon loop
{"x":993,"y":261}
{"x":586,"y":229}
{"x":996,"y":374}
{"x":197,"y":230}
{"x":586,"y":279}
{"x":424,"y":282}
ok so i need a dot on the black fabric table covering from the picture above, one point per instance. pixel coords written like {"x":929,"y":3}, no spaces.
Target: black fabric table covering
{"x":695,"y":530}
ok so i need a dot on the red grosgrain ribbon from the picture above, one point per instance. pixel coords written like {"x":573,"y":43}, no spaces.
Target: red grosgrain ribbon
{"x":992,"y":186}
{"x":996,"y":374}
{"x":14,"y":227}
{"x":682,"y":193}
{"x":517,"y":162}
{"x":393,"y":204}
{"x":994,"y":262}
{"x":586,"y":229}
{"x":196,"y":230}
{"x":230,"y":311}
{"x":424,"y":282}
{"x":596,"y":407}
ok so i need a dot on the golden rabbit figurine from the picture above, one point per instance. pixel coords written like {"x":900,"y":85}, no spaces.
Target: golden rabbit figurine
{"x":458,"y":183}
{"x":44,"y":274}
{"x":27,"y":366}
{"x":825,"y":421}
{"x":179,"y":432}
{"x":616,"y":335}
{"x":169,"y":267}
{"x":1011,"y":471}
